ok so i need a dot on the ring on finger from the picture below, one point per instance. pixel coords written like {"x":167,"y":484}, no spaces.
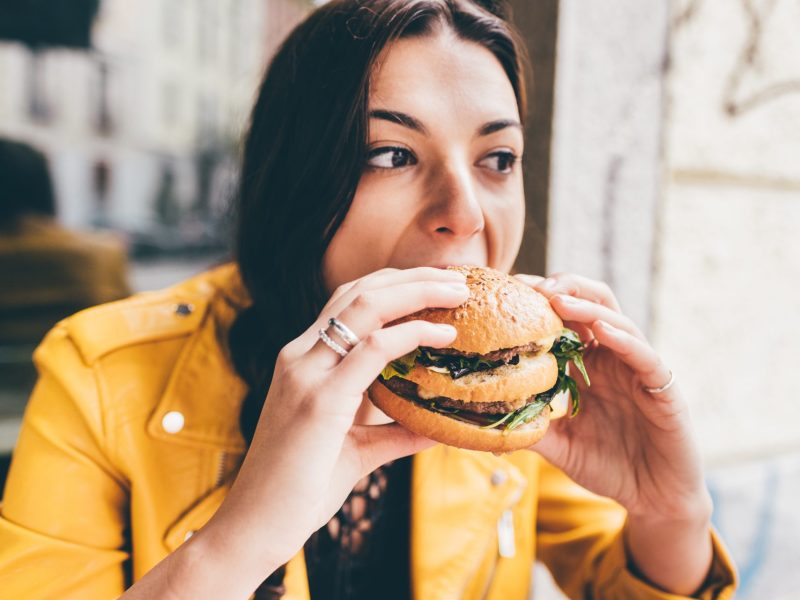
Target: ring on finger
{"x":332,"y":344}
{"x":662,"y":388}
{"x":343,"y":331}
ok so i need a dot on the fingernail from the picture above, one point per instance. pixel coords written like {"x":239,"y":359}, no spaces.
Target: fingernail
{"x":461,"y":288}
{"x":530,"y":279}
{"x":568,"y":300}
{"x":454,"y":275}
{"x":605,"y":326}
{"x":446,"y":328}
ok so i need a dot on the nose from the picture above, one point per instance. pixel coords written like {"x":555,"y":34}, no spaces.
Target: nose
{"x":455,"y":210}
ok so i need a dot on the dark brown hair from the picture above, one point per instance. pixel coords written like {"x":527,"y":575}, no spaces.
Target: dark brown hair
{"x":305,"y":152}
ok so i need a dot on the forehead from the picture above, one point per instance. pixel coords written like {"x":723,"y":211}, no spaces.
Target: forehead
{"x":439,"y":74}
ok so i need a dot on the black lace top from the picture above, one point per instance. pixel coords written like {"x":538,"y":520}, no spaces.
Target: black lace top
{"x":363,"y":552}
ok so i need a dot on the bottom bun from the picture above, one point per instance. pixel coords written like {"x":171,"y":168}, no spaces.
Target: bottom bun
{"x":453,"y":432}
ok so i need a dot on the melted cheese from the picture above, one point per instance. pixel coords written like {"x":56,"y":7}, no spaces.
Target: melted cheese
{"x":425,"y":394}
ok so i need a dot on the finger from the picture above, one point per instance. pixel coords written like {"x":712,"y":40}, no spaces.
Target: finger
{"x":345,"y":293}
{"x":529,"y":280}
{"x":634,"y":352}
{"x":345,"y":287}
{"x":379,"y":444}
{"x":389,"y":276}
{"x":361,"y":366}
{"x":580,"y":287}
{"x":372,"y":309}
{"x":574,"y":309}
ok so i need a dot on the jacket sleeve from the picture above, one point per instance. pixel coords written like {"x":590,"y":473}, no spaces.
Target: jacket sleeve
{"x":580,"y":539}
{"x":62,"y":521}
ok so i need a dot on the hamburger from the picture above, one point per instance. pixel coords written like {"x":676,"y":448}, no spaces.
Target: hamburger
{"x":492,"y":389}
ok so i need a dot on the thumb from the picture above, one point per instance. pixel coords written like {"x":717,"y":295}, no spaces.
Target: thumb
{"x":379,"y":444}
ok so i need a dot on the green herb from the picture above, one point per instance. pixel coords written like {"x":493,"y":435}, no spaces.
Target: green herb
{"x":457,"y":364}
{"x":529,"y":412}
{"x":568,"y":347}
{"x":400,"y":367}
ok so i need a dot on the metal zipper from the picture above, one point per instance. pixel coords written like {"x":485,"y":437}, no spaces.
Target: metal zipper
{"x":220,"y":469}
{"x":506,"y":543}
{"x":506,"y":546}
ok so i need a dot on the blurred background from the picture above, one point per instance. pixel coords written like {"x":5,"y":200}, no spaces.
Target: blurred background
{"x":663,"y":157}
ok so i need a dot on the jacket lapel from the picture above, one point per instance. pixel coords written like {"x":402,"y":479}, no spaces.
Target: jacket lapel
{"x":204,"y":390}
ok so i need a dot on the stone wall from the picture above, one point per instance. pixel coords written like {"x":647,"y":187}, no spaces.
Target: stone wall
{"x":676,"y":178}
{"x":725,"y":307}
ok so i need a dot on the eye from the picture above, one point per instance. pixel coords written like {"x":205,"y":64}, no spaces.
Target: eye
{"x":502,"y":161}
{"x":390,"y":157}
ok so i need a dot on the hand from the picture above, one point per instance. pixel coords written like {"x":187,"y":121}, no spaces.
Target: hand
{"x":627,"y":444}
{"x":306,"y":453}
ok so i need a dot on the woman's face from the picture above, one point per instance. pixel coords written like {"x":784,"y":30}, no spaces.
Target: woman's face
{"x":443,"y":180}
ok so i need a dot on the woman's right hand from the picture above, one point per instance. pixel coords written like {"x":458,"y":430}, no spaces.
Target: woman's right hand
{"x":307,"y":454}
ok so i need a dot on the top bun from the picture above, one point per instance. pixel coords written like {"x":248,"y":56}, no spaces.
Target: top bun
{"x":501,"y":312}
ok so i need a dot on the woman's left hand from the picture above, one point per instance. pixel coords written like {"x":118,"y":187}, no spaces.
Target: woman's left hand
{"x":627,"y":444}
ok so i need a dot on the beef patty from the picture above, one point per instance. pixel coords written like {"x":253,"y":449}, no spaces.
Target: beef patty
{"x":409,"y":389}
{"x":504,"y":354}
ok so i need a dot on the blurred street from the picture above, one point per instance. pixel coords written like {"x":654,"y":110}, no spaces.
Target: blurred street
{"x":18,"y":376}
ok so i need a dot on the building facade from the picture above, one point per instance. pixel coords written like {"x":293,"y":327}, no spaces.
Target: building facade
{"x":142,"y":131}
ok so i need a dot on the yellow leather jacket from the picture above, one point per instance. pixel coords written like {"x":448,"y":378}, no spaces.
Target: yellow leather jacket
{"x":131,"y":440}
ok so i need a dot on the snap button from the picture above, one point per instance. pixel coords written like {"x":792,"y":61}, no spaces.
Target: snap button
{"x":188,"y":535}
{"x":183,"y":309}
{"x":499,"y":477}
{"x":172,"y":422}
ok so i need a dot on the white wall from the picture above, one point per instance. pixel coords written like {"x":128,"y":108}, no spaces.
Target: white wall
{"x":726,"y":300}
{"x":606,"y":169}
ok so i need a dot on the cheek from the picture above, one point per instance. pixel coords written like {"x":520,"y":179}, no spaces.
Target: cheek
{"x":505,"y":225}
{"x":366,"y":238}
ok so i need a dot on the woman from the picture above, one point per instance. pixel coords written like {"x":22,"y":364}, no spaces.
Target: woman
{"x":385,"y":142}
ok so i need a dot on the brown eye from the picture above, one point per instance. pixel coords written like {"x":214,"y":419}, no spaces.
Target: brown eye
{"x":502,"y":162}
{"x":390,"y":157}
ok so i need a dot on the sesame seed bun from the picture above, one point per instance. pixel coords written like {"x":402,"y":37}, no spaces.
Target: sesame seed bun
{"x":501,"y":314}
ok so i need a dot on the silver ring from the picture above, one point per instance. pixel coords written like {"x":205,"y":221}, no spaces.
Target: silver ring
{"x":331,"y":343}
{"x":344,"y":331}
{"x":663,"y":388}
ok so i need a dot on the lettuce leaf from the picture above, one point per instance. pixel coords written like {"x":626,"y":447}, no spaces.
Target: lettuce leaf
{"x":401,"y":366}
{"x":567,"y":348}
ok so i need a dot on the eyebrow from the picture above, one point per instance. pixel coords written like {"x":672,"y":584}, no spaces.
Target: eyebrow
{"x":406,"y":120}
